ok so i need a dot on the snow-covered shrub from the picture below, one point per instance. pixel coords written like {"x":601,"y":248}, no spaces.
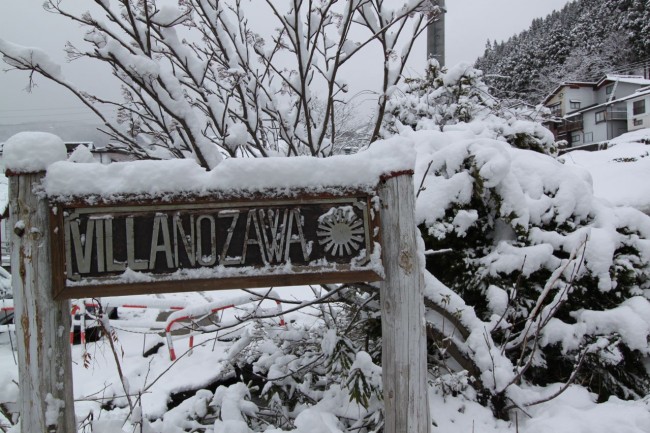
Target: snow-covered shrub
{"x":441,"y":97}
{"x":234,"y":408}
{"x":538,"y":281}
{"x":328,"y":369}
{"x":445,"y":97}
{"x":556,"y":278}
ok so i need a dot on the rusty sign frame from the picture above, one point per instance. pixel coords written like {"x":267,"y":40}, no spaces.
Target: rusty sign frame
{"x":68,"y":285}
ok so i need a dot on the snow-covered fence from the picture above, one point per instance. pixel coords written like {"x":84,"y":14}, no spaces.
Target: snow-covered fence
{"x":147,"y":227}
{"x":196,"y":313}
{"x":183,"y":315}
{"x":6,"y":310}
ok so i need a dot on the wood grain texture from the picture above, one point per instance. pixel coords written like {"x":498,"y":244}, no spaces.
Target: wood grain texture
{"x":42,"y":324}
{"x":402,"y":303}
{"x":244,"y":282}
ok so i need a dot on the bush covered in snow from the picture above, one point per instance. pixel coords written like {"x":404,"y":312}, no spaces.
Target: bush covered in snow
{"x":557,"y":278}
{"x":530,"y":280}
{"x":317,"y":377}
{"x":446,"y":97}
{"x":539,"y":281}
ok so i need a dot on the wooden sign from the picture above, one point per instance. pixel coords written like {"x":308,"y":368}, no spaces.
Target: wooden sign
{"x":154,"y":248}
{"x":98,"y":247}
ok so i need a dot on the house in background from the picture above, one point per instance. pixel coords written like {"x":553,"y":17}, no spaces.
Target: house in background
{"x":592,"y":112}
{"x":104,"y":155}
{"x":638,"y":109}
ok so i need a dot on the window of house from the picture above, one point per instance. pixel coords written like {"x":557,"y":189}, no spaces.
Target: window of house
{"x":574,"y":105}
{"x":575,"y":138}
{"x":638,"y":122}
{"x":600,"y":116}
{"x":556,"y":110}
{"x":638,"y":107}
{"x":609,"y":89}
{"x":589,"y":137}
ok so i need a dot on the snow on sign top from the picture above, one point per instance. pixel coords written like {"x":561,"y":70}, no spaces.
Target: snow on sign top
{"x":31,"y":152}
{"x":173,"y":178}
{"x":150,"y":226}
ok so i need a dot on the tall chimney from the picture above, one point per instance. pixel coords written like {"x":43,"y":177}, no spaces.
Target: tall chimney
{"x":436,"y":35}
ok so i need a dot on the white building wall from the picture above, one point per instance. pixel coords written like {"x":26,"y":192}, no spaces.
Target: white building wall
{"x":620,"y":90}
{"x":567,"y":94}
{"x":584,"y":95}
{"x":593,"y":132}
{"x":639,"y":121}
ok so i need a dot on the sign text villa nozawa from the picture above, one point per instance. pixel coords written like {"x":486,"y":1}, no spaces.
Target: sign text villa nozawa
{"x":218,"y":243}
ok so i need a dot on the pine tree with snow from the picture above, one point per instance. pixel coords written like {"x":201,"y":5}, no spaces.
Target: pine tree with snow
{"x":441,"y":96}
{"x":582,"y":41}
{"x":445,"y":97}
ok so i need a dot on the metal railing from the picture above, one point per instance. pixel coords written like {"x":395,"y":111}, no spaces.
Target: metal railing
{"x":570,"y":126}
{"x":617,"y":115}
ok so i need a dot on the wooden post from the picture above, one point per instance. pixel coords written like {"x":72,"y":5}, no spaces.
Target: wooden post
{"x":42,"y":324}
{"x":404,"y":364}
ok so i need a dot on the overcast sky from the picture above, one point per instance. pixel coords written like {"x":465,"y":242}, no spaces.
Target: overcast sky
{"x":469,"y":24}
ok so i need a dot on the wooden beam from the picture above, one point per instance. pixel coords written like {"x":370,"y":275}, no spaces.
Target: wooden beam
{"x":244,"y":282}
{"x":46,"y":401}
{"x":404,"y":350}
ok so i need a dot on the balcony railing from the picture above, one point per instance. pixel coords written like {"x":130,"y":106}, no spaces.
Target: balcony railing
{"x":570,"y":126}
{"x":617,"y":115}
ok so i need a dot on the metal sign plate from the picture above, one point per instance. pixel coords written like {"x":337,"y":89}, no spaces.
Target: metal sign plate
{"x":155,"y":248}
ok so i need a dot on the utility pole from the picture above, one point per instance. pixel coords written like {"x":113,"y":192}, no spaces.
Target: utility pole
{"x":436,"y":34}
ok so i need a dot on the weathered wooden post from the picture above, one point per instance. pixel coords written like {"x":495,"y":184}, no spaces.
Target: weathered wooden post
{"x":404,"y":364}
{"x":42,"y":324}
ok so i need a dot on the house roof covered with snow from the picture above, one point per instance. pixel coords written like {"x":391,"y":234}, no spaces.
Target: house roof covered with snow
{"x":610,"y":78}
{"x":564,"y":84}
{"x":630,"y":79}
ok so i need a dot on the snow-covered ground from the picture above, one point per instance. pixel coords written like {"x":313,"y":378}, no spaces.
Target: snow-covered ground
{"x":96,"y":379}
{"x":575,"y":411}
{"x":620,"y":175}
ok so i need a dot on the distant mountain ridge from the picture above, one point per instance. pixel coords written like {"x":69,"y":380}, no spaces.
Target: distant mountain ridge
{"x":581,"y":42}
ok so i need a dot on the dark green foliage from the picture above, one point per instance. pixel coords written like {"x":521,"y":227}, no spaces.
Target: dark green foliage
{"x":610,"y":367}
{"x":606,"y":365}
{"x":297,"y":367}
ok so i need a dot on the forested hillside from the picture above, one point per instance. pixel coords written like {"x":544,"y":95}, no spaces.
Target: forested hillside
{"x":581,"y":42}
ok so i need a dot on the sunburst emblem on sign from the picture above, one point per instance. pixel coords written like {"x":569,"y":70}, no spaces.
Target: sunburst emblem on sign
{"x":341,"y":231}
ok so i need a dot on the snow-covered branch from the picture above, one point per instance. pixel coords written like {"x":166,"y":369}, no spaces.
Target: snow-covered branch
{"x":198,"y":81}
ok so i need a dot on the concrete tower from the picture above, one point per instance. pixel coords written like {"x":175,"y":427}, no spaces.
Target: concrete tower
{"x":436,"y":35}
